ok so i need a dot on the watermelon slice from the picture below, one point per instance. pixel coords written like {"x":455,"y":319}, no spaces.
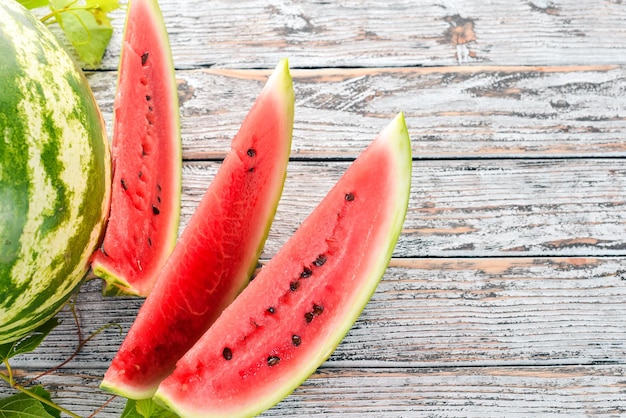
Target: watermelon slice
{"x":302,"y":303}
{"x":146,"y":151}
{"x":218,"y":250}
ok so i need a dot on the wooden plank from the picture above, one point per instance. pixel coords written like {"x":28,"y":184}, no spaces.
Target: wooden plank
{"x":571,"y":391}
{"x":315,"y":34}
{"x":472,"y":208}
{"x":496,"y":392}
{"x":432,"y":313}
{"x":452,"y":112}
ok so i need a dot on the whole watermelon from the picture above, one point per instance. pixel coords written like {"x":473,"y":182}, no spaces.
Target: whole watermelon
{"x":54,"y":173}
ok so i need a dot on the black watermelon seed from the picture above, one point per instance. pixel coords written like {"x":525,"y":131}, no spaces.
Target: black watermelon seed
{"x":124,"y":185}
{"x":293,"y":286}
{"x":251,"y":152}
{"x":349,"y":197}
{"x":227,"y":353}
{"x":251,"y":170}
{"x":273,"y":360}
{"x":144,"y":58}
{"x":296,"y":340}
{"x":155,"y":210}
{"x":149,"y":242}
{"x":318,"y":309}
{"x":309,"y":317}
{"x":148,"y":98}
{"x":320,"y":260}
{"x":307,"y":272}
{"x":271,"y":309}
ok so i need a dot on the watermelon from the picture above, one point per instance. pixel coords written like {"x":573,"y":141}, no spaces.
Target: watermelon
{"x":54,"y":173}
{"x":217,"y":252}
{"x":146,"y":151}
{"x":302,"y":303}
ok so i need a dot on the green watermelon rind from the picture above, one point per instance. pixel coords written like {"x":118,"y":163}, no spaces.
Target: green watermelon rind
{"x":54,"y":173}
{"x":396,"y":139}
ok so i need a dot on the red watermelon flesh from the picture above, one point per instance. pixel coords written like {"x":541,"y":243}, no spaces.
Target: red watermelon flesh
{"x":218,"y":250}
{"x":302,"y":303}
{"x":146,"y":152}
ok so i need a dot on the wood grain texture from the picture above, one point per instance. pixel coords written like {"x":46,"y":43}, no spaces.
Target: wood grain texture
{"x":472,"y":208}
{"x":432,"y":313}
{"x":452,"y":112}
{"x":394,"y":33}
{"x":561,"y":391}
{"x":449,"y":336}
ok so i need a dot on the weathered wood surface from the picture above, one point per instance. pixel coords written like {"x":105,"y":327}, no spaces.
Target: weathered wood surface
{"x":560,"y":391}
{"x":507,"y":290}
{"x":392,"y":33}
{"x":472,"y":208}
{"x":439,"y":337}
{"x":452,"y":112}
{"x":437,"y":312}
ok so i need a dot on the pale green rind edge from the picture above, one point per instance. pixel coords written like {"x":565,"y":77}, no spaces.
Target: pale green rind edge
{"x":128,"y":394}
{"x":395,"y":136}
{"x":114,"y":285}
{"x":280,"y":84}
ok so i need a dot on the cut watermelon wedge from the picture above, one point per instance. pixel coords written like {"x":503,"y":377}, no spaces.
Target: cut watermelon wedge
{"x":218,"y":250}
{"x":146,"y":151}
{"x":303,"y":302}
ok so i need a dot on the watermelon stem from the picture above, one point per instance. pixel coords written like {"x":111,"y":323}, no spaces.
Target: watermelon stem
{"x":68,"y":8}
{"x":9,"y":376}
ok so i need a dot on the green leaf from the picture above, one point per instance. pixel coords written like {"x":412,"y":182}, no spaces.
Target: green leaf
{"x":29,"y":342}
{"x":23,"y":406}
{"x":86,"y":26}
{"x":145,"y":408}
{"x":33,"y":4}
{"x":85,"y":23}
{"x":40,"y":391}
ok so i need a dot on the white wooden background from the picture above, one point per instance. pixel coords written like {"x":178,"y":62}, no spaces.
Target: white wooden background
{"x":507,"y":290}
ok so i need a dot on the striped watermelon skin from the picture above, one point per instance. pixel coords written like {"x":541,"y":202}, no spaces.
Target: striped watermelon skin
{"x":55,"y":173}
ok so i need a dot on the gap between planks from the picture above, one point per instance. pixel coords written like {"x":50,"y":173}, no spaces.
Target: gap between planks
{"x":327,"y":74}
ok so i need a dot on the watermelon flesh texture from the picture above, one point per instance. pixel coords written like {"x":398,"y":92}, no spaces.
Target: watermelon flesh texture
{"x":55,"y":173}
{"x":146,"y":151}
{"x":218,"y":250}
{"x":302,"y":303}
